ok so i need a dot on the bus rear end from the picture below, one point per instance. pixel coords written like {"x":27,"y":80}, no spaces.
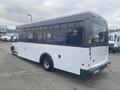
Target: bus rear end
{"x":97,"y":42}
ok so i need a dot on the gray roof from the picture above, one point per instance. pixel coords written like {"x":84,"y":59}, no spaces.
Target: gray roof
{"x":77,"y":17}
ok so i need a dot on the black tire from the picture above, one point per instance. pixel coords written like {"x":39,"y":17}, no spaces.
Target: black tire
{"x":13,"y":50}
{"x":114,"y":51}
{"x":119,"y":50}
{"x":47,"y":63}
{"x":110,"y":51}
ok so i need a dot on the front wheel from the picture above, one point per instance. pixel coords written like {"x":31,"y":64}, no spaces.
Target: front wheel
{"x":13,"y":50}
{"x":48,"y":64}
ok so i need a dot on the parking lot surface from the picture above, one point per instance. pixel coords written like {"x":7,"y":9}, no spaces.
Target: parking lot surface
{"x":20,"y":74}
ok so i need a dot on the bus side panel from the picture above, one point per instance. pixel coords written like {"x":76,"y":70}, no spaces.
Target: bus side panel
{"x":70,"y":60}
{"x":99,"y":56}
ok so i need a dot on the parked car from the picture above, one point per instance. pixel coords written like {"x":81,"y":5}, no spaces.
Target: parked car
{"x":13,"y":38}
{"x":114,"y":42}
{"x":6,"y":38}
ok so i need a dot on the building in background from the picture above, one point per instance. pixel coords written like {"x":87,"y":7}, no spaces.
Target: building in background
{"x":11,"y":32}
{"x":3,"y":30}
{"x":6,"y":33}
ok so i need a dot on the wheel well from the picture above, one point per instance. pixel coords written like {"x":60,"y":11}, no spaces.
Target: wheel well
{"x":44,"y":55}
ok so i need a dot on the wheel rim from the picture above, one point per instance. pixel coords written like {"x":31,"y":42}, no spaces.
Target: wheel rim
{"x":46,"y":64}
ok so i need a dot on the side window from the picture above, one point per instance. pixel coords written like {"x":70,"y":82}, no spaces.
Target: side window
{"x":23,"y":35}
{"x":20,"y":35}
{"x":79,"y":24}
{"x":74,"y":37}
{"x":47,"y":34}
{"x":45,"y":27}
{"x":62,"y":25}
{"x":118,"y":39}
{"x":44,"y":35}
{"x":115,"y":37}
{"x":71,"y":25}
{"x":47,"y":37}
{"x":39,"y":36}
{"x":35,"y":33}
{"x":56,"y":26}
{"x":30,"y":35}
{"x":59,"y":37}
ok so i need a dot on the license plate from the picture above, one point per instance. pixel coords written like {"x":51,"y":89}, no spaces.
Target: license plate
{"x":96,"y":72}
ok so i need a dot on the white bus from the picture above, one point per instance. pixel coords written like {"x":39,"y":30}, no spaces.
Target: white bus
{"x":114,"y":41}
{"x":77,"y":44}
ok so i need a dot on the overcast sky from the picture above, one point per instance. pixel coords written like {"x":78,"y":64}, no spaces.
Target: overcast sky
{"x":14,"y":12}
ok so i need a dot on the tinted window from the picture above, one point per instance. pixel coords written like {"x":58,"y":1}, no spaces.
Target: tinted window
{"x":50,"y":27}
{"x":111,"y":38}
{"x":71,"y":25}
{"x":40,"y":28}
{"x":79,"y":24}
{"x":23,"y":35}
{"x":63,"y":25}
{"x":47,"y":36}
{"x":30,"y":35}
{"x":99,"y":34}
{"x":45,"y":27}
{"x":59,"y":36}
{"x":115,"y":37}
{"x":36,"y":28}
{"x":74,"y":37}
{"x":39,"y":36}
{"x":118,"y":40}
{"x":57,"y":26}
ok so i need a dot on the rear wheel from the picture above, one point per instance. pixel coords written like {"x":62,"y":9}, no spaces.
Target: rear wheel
{"x":114,"y":51}
{"x":47,"y":63}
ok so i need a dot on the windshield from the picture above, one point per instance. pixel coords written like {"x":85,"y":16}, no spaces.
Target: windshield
{"x":111,"y":38}
{"x":99,"y":34}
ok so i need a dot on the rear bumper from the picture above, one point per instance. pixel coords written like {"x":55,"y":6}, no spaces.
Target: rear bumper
{"x":94,"y":71}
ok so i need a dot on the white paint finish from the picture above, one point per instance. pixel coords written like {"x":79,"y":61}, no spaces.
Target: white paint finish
{"x":71,"y":59}
{"x":99,"y":56}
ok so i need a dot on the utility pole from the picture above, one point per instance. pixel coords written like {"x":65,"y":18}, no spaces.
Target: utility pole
{"x":30,"y":17}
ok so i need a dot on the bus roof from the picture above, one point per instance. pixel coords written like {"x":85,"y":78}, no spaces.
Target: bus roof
{"x":72,"y":18}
